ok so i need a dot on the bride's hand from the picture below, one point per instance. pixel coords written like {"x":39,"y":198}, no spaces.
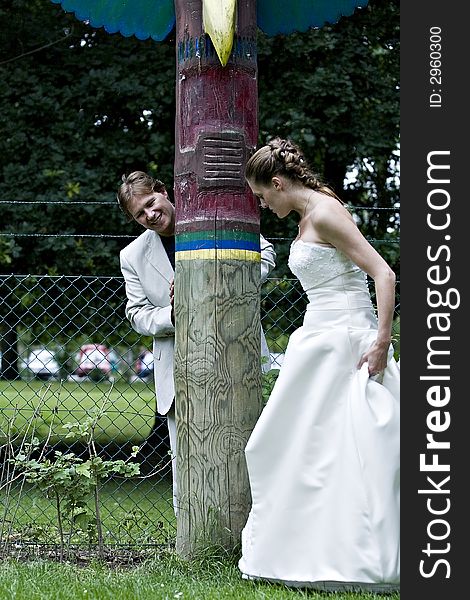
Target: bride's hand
{"x":375,"y":357}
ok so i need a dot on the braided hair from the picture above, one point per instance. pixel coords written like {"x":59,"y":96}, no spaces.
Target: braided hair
{"x":283,"y":157}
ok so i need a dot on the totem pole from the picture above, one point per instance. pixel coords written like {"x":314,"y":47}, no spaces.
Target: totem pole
{"x":217,"y":273}
{"x":217,"y":358}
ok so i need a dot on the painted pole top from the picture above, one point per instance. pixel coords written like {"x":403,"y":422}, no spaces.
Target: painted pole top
{"x":156,"y":18}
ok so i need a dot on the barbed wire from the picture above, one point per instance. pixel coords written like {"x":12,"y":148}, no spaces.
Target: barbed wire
{"x":108,"y":235}
{"x":67,"y":235}
{"x":68,"y":33}
{"x":58,"y":202}
{"x":26,"y":276}
{"x":114,"y":203}
{"x":130,"y":236}
{"x":369,"y":239}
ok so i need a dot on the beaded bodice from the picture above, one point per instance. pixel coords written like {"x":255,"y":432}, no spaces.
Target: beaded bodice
{"x":317,"y":266}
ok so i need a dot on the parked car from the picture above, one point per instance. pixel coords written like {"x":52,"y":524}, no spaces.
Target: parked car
{"x":42,"y":363}
{"x":143,"y":367}
{"x":95,"y":361}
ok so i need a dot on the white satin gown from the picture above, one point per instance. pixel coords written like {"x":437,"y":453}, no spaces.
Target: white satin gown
{"x":323,"y":459}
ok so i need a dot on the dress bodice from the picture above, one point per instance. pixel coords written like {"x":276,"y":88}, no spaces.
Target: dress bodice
{"x":327,"y":275}
{"x":315,"y":265}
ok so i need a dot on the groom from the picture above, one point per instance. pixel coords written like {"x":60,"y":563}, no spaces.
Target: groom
{"x":147,"y":265}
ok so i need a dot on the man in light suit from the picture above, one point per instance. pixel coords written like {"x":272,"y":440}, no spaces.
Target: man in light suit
{"x":147,"y":265}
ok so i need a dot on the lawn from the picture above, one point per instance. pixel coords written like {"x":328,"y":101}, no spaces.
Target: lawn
{"x":137,"y":514}
{"x":136,"y":511}
{"x":129,"y":409}
{"x":133,"y":512}
{"x":164,"y":578}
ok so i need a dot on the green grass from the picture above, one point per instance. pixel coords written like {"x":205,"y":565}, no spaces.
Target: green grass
{"x":129,"y":413}
{"x":165,"y":578}
{"x":136,"y":511}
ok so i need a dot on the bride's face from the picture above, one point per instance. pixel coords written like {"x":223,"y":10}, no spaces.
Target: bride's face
{"x":271,"y":196}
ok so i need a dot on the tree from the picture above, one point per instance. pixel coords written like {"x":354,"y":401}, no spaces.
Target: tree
{"x":335,"y":91}
{"x":80,"y":107}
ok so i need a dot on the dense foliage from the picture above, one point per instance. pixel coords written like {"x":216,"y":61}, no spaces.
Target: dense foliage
{"x":335,"y":91}
{"x":80,"y":107}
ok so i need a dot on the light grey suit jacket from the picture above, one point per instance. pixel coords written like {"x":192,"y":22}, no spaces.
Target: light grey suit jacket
{"x":147,"y":273}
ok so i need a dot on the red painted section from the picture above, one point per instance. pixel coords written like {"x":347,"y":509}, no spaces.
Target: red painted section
{"x":228,"y":225}
{"x":193,"y":204}
{"x":212,"y":99}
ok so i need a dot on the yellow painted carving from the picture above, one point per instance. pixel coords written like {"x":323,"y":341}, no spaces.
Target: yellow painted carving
{"x":218,"y":18}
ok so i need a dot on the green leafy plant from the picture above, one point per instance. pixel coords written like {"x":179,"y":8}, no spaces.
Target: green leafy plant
{"x":267,"y":384}
{"x":70,"y":480}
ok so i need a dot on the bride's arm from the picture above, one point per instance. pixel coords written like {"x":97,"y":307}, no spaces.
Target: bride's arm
{"x":334,"y":224}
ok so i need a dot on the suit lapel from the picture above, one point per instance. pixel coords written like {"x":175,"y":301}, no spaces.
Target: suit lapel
{"x":157,"y":257}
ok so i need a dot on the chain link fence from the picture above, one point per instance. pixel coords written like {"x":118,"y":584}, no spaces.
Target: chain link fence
{"x":77,"y":399}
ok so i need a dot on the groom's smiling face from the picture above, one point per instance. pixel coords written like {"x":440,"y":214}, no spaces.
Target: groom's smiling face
{"x":154,"y":211}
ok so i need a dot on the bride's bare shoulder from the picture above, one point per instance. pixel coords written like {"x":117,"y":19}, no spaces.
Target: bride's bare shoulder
{"x":327,"y":208}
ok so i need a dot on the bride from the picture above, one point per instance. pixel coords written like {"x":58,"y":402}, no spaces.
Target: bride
{"x":323,"y":459}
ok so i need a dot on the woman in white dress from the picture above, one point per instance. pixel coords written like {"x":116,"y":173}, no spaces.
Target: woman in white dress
{"x":323,"y":459}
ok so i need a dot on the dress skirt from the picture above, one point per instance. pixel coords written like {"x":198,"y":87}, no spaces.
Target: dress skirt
{"x":323,"y":462}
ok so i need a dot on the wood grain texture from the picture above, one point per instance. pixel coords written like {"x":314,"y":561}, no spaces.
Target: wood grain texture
{"x":218,"y":391}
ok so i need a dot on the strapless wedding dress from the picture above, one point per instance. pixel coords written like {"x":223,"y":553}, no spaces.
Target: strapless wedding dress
{"x":323,"y":459}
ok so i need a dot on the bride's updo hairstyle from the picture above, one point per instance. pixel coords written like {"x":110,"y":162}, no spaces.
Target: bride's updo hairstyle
{"x":283,"y":157}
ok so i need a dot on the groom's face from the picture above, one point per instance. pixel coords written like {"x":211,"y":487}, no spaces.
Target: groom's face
{"x":154,"y":211}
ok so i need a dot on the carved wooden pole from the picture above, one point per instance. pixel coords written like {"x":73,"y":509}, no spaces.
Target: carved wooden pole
{"x":217,"y":278}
